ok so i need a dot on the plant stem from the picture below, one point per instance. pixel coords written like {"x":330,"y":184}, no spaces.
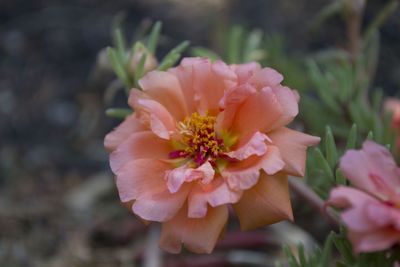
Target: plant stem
{"x":307,"y":194}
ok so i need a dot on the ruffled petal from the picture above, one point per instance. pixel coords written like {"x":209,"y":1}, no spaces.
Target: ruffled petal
{"x":288,"y":100}
{"x":153,"y":114}
{"x":265,"y":203}
{"x":230,"y":102}
{"x":139,"y":145}
{"x":160,"y":206}
{"x":259,"y":112}
{"x":293,"y":148}
{"x":176,"y":177}
{"x":215,"y":194}
{"x":164,"y":88}
{"x":209,"y":82}
{"x":266,"y":77}
{"x":245,"y":174}
{"x":129,"y":126}
{"x":198,"y":235}
{"x":254,"y":146}
{"x":372,"y":169}
{"x":136,"y":179}
{"x":245,"y":71}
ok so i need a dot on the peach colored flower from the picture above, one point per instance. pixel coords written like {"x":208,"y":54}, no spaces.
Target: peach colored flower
{"x":206,"y":135}
{"x":372,"y":209}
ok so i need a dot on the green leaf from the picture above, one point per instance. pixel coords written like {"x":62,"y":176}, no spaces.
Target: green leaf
{"x":140,"y":69}
{"x":120,"y":45}
{"x":168,"y":63}
{"x":377,"y":97}
{"x":302,"y":256}
{"x":340,"y":179}
{"x":179,"y":48}
{"x":290,"y":257}
{"x":173,"y":56}
{"x":352,"y":137}
{"x":154,"y":36}
{"x":323,"y":164}
{"x":234,"y":45}
{"x":330,"y":148}
{"x":119,"y":69}
{"x":120,"y":113}
{"x":327,"y":251}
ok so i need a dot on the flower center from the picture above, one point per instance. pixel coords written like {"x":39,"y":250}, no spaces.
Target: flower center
{"x":198,"y":139}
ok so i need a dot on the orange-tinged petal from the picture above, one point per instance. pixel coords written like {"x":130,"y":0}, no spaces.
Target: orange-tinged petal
{"x":140,"y":145}
{"x":209,"y":82}
{"x":255,"y":145}
{"x":293,"y":148}
{"x":152,"y":113}
{"x":245,"y":71}
{"x":135,"y":179}
{"x":160,"y":206}
{"x":266,"y":203}
{"x":245,"y":174}
{"x":215,"y":194}
{"x":266,"y":77}
{"x":176,"y":177}
{"x":288,"y":100}
{"x":130,"y":125}
{"x":164,"y":87}
{"x":259,"y":112}
{"x":198,"y":235}
{"x":230,"y":102}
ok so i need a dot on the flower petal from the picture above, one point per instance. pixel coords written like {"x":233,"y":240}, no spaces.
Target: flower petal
{"x":245,"y":174}
{"x":245,"y":71}
{"x":164,"y":88}
{"x":374,"y":241}
{"x":135,"y":179}
{"x":293,"y":147}
{"x":176,"y":177}
{"x":139,"y":145}
{"x":259,"y":112}
{"x":198,"y":235}
{"x":129,"y":126}
{"x":384,"y":215}
{"x":265,"y":203}
{"x":344,"y":196}
{"x":160,"y":206}
{"x":288,"y":100}
{"x":266,"y":77}
{"x":209,"y":82}
{"x":254,"y":146}
{"x":372,"y":169}
{"x":215,"y":194}
{"x":230,"y":102}
{"x":152,"y":113}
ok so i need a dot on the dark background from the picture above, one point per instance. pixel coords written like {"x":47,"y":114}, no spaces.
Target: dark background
{"x":58,"y":206}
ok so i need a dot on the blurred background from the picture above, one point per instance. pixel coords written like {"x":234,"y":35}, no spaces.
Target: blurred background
{"x":58,"y":203}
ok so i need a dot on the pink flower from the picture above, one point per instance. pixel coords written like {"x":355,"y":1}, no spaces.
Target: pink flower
{"x":206,"y":135}
{"x":372,"y":209}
